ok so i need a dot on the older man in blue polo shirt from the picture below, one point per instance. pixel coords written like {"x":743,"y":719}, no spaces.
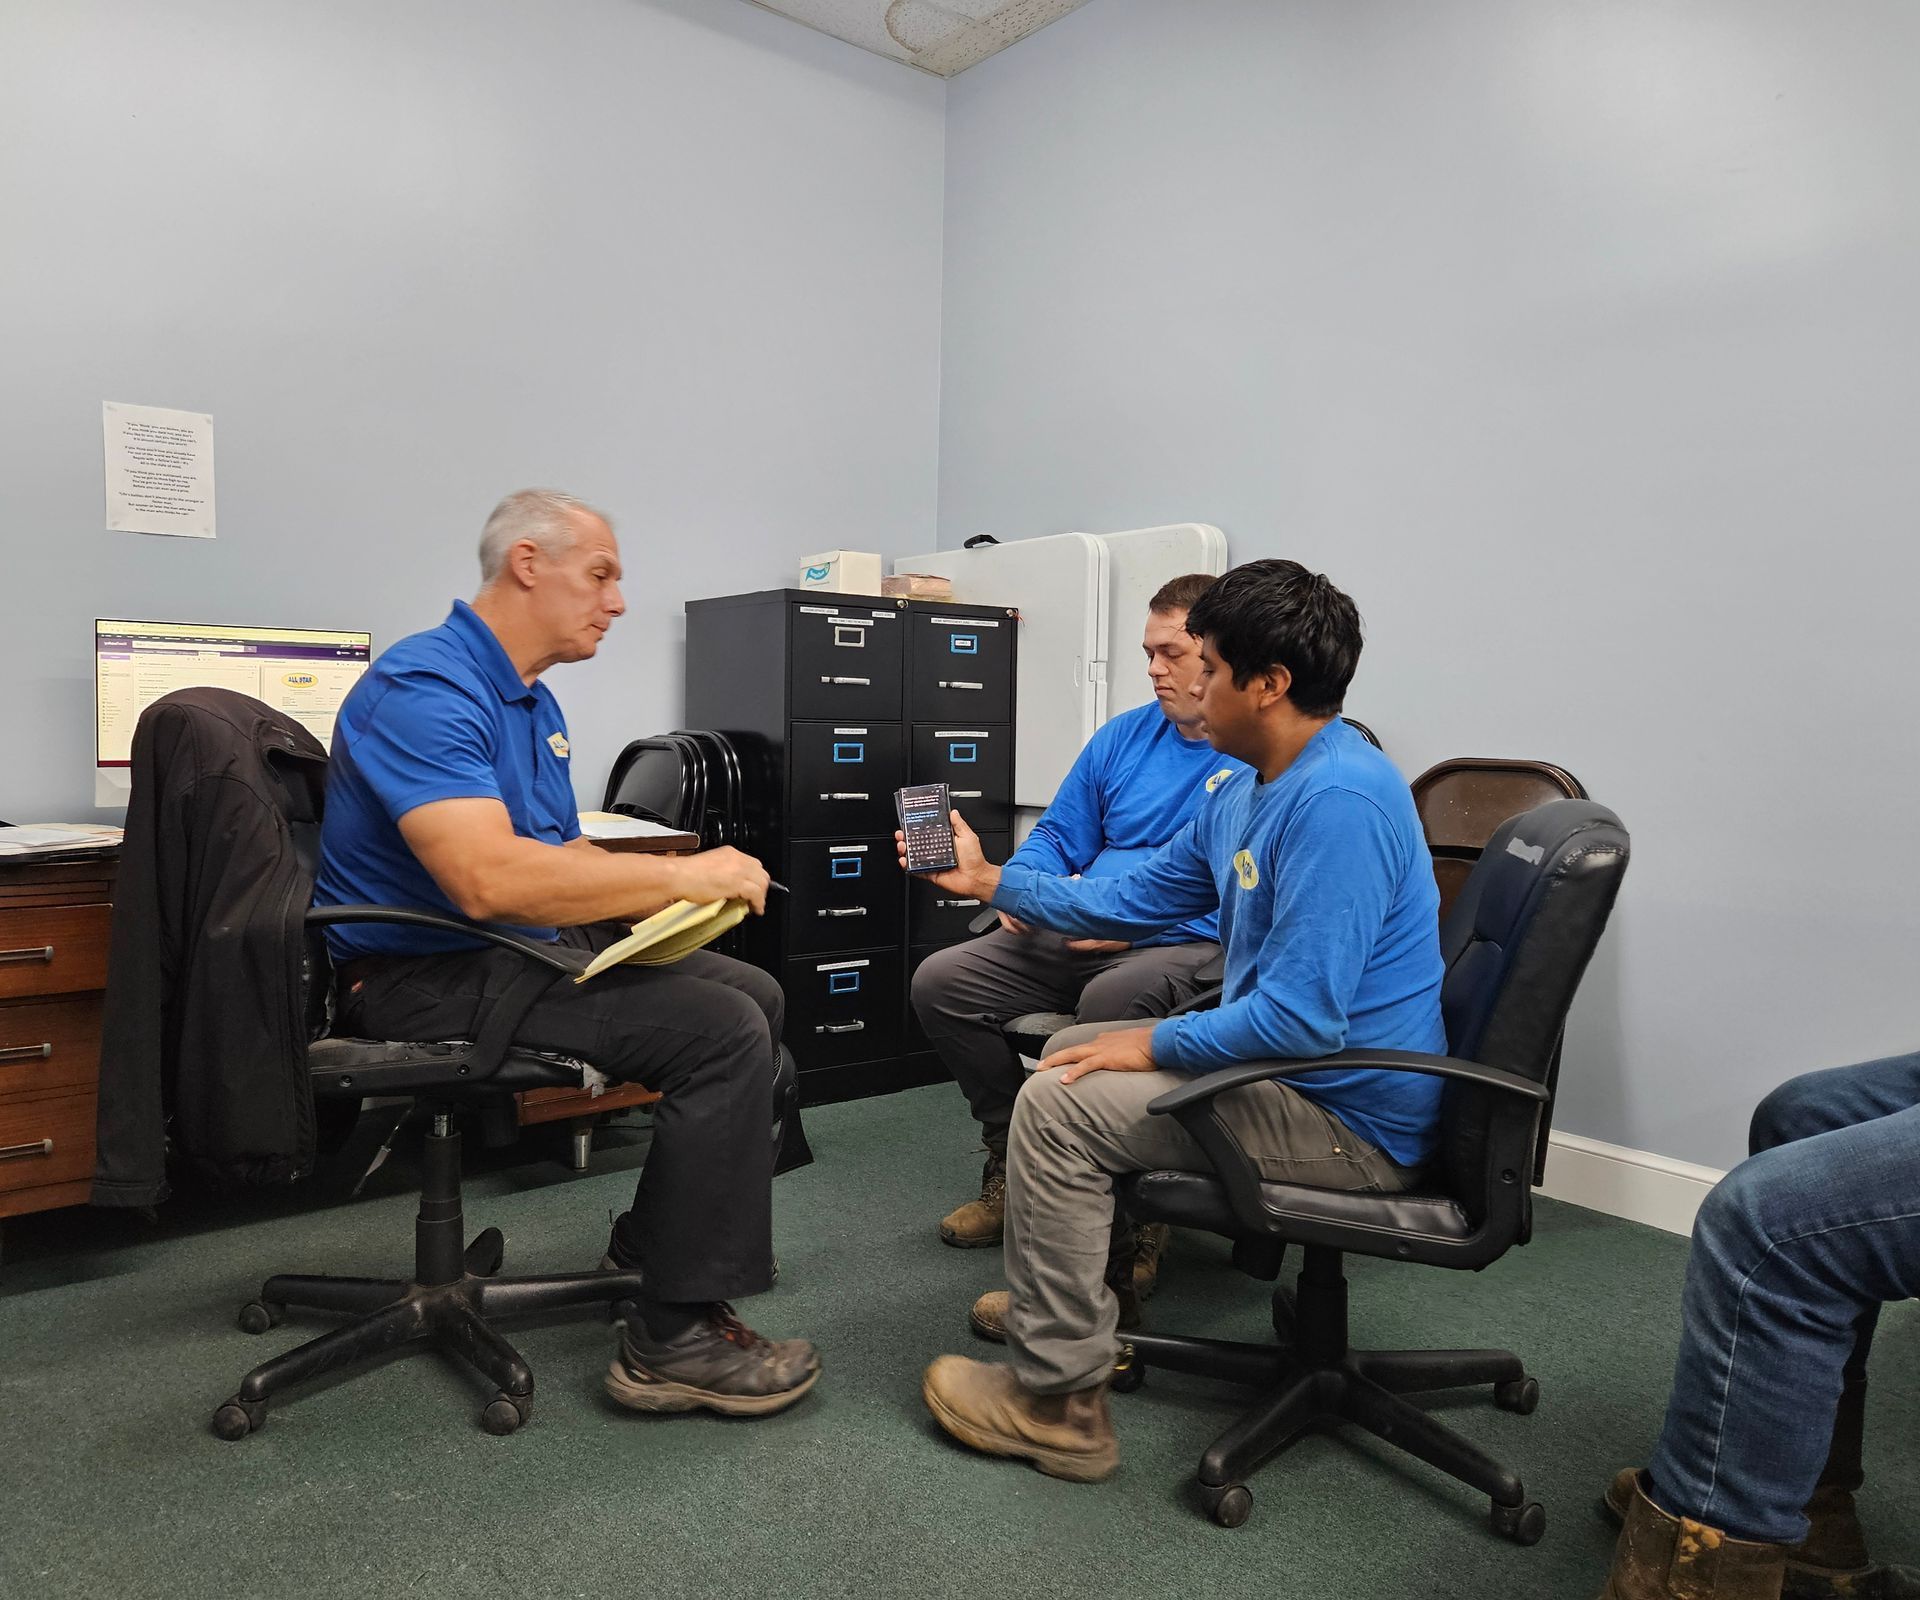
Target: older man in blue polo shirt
{"x":451,"y":789}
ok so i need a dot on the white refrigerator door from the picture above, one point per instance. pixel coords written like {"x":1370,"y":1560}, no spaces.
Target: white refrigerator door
{"x":1138,"y":562}
{"x":1059,"y":585}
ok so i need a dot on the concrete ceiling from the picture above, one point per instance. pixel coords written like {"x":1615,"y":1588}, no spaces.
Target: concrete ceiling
{"x":938,"y":36}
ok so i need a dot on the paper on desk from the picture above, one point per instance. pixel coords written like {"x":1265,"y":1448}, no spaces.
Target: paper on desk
{"x":38,"y":838}
{"x":608,"y":825}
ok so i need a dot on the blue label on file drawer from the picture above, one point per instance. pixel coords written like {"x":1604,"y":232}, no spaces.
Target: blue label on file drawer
{"x":964,"y":644}
{"x":845,"y":753}
{"x":843,"y":983}
{"x":960,"y":754}
{"x":845,"y":866}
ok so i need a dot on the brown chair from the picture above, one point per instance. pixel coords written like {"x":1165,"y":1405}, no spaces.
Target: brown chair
{"x":1461,"y":802}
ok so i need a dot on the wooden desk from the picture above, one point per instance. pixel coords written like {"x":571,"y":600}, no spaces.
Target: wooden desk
{"x":54,"y":922}
{"x":54,"y":929}
{"x":578,"y":1106}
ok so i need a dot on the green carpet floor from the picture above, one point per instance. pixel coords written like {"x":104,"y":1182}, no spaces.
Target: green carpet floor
{"x":117,"y":1340}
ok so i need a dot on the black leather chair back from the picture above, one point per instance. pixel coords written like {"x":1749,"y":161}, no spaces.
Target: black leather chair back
{"x":1516,"y":943}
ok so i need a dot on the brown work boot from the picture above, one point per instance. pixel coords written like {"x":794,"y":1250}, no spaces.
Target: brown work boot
{"x":1150,"y":1241}
{"x":983,"y":1221}
{"x":987,"y":1407}
{"x":719,"y":1364}
{"x":1660,"y":1557}
{"x":1832,"y":1562}
{"x":988,"y":1315}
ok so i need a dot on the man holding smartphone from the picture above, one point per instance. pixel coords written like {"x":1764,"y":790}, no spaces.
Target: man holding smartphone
{"x":1131,"y":790}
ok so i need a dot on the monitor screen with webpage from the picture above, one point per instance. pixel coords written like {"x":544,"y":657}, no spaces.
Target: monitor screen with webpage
{"x":304,"y":672}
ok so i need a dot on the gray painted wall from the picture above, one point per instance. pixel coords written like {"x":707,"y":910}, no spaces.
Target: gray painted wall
{"x":680,"y":257}
{"x":1578,"y":340}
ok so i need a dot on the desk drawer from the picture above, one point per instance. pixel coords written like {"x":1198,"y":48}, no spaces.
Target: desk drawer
{"x":53,"y":950}
{"x":46,"y":1140}
{"x":50,"y":1044}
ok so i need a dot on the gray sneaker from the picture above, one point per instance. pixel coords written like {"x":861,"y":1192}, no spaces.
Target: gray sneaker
{"x":719,"y":1364}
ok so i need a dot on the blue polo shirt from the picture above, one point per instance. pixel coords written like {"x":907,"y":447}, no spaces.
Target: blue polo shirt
{"x":442,"y":715}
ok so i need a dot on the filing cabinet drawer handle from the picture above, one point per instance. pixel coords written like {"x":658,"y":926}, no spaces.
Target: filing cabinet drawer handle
{"x":863,"y":682}
{"x":965,"y":794}
{"x":841,"y":911}
{"x":824,"y":1027}
{"x":955,"y":683}
{"x":847,"y":794}
{"x":23,"y":1152}
{"x":26,"y":1052}
{"x":43,"y":952}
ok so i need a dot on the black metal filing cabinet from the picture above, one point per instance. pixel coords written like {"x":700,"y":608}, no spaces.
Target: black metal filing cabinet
{"x":833,"y":701}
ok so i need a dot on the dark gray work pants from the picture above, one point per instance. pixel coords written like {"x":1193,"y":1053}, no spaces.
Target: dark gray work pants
{"x":964,"y":993}
{"x":701,"y":1033}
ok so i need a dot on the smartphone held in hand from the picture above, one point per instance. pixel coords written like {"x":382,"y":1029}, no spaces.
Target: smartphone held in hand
{"x":926,"y":821}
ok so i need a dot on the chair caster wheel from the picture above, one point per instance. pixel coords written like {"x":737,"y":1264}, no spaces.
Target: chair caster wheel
{"x":238,"y":1418}
{"x":1129,"y":1372}
{"x":1229,"y":1504}
{"x":256,"y":1316}
{"x":1520,"y":1396}
{"x":507,"y":1412}
{"x":484,"y":1255}
{"x":1522,"y":1524}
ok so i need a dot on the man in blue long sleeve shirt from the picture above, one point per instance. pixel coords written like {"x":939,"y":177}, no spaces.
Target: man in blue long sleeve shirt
{"x":1329,"y":915}
{"x":1134,"y":787}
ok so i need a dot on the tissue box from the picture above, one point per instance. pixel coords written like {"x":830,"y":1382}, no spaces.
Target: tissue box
{"x":842,"y":571}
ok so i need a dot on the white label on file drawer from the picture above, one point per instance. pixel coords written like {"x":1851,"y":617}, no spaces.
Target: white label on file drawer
{"x":837,"y":966}
{"x":820,"y":611}
{"x":961,"y":733}
{"x":965,"y":622}
{"x":846,"y":849}
{"x":849,"y":730}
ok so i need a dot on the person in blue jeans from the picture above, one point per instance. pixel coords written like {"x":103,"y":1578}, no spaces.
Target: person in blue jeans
{"x":1750,"y":1492}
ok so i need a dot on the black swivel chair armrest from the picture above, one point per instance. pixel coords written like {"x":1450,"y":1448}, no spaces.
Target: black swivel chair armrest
{"x":1191,"y":1105}
{"x":555,"y":956}
{"x":500,"y":1019}
{"x":1209,"y":1084}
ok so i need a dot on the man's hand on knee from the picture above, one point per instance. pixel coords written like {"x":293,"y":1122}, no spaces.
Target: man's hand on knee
{"x":1119,"y":1050}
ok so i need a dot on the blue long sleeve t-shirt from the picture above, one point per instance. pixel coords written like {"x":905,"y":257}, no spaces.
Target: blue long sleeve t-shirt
{"x":1135,"y":785}
{"x":1330,"y":920}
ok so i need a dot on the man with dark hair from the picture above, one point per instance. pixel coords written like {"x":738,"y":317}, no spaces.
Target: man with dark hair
{"x":1132,"y":789}
{"x":1329,"y":916}
{"x":1794,"y":1253}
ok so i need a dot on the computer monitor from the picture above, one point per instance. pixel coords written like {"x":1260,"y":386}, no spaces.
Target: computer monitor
{"x":304,"y":672}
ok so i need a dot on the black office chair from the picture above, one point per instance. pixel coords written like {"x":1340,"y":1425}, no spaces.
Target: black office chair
{"x":453,"y":1292}
{"x":1515,"y":946}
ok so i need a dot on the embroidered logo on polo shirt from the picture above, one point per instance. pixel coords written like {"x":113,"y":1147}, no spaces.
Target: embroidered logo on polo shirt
{"x":557,"y":743}
{"x":1219,"y":778}
{"x":1246,"y":871}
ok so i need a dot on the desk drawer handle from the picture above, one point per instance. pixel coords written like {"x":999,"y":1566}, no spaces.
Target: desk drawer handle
{"x":22,"y":1152}
{"x":42,"y":952}
{"x":847,"y":794}
{"x":956,"y":683}
{"x":826,"y":1027}
{"x":841,"y":911}
{"x":865,"y":683}
{"x":25,"y":1052}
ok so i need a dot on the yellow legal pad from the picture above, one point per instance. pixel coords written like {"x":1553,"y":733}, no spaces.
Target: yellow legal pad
{"x":666,"y":936}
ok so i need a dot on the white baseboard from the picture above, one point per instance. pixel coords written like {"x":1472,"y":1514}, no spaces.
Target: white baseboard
{"x":1635,"y":1184}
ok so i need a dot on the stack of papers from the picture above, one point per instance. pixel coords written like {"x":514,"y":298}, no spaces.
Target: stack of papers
{"x":609,"y":825}
{"x":668,"y":935}
{"x":57,"y":838}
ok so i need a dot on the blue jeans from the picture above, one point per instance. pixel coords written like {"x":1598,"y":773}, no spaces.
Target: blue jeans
{"x":1794,"y":1253}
